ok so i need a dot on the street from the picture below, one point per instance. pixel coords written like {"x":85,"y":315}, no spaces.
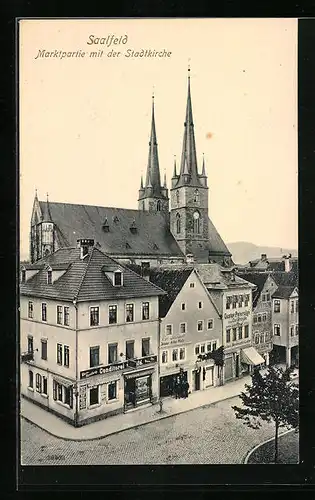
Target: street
{"x":207,"y":435}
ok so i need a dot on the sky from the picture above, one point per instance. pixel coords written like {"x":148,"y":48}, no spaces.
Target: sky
{"x":85,"y":121}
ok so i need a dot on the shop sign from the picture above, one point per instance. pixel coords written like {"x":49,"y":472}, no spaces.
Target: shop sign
{"x":180,"y":339}
{"x":101,"y":370}
{"x":134,"y":363}
{"x":236,"y":317}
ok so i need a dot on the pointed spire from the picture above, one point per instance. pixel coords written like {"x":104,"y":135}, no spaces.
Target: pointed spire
{"x":149,"y":183}
{"x":47,"y":215}
{"x":165,"y":183}
{"x":36,"y":197}
{"x":174,"y":173}
{"x":141,"y":182}
{"x":203,"y":173}
{"x":189,"y":157}
{"x":153,"y":178}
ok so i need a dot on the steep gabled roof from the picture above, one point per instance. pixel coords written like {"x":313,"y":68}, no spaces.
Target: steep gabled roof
{"x":258,"y":279}
{"x":283,"y":292}
{"x":85,"y":279}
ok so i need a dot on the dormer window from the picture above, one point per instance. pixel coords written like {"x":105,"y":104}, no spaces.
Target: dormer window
{"x":127,"y":245}
{"x":118,"y":278}
{"x":49,"y":277}
{"x":155,"y":247}
{"x":106,"y":226}
{"x":115,"y":219}
{"x":23,"y":276}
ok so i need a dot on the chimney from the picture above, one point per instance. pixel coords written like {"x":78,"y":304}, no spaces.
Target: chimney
{"x":263,"y":257}
{"x":84,"y":245}
{"x":190,"y":258}
{"x":287,"y":263}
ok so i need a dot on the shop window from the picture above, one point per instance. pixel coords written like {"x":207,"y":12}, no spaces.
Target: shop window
{"x":44,"y":391}
{"x":182,"y":327}
{"x":59,"y":315}
{"x":246,"y":331}
{"x":38,"y":382}
{"x":63,"y":394}
{"x":145,"y":347}
{"x":182,"y":353}
{"x":145,"y":310}
{"x":175,"y":355}
{"x":183,"y":306}
{"x":94,"y":316}
{"x":129,"y":313}
{"x":66,"y":312}
{"x":112,"y":390}
{"x":112,"y":314}
{"x":112,"y":353}
{"x":59,"y":354}
{"x":30,"y":344}
{"x":30,"y":310}
{"x":276,"y":306}
{"x":130,"y":349}
{"x":200,"y":325}
{"x":44,"y":311}
{"x":169,"y":329}
{"x":233,"y":334}
{"x":94,"y":396}
{"x":228,"y":335}
{"x":164,"y":356}
{"x":94,"y":356}
{"x":30,"y":379}
{"x":276,"y":330}
{"x":44,"y":349}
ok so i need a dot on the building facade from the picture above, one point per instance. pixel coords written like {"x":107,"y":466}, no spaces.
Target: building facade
{"x":89,"y":336}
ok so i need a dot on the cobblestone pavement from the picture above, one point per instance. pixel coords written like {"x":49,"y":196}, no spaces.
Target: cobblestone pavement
{"x":207,"y":435}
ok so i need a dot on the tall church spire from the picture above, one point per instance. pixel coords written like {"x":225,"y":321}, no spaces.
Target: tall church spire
{"x":188,"y":167}
{"x":46,"y":213}
{"x":153,"y":169}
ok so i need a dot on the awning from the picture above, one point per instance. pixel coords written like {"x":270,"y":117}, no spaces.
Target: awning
{"x":62,"y":381}
{"x":250,"y":356}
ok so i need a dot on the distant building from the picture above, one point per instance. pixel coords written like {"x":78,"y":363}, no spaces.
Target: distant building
{"x":155,"y":233}
{"x":88,"y":335}
{"x":286,"y":263}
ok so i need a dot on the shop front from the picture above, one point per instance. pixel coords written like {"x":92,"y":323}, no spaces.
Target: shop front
{"x":251,"y":358}
{"x":137,"y":389}
{"x":170,"y":384}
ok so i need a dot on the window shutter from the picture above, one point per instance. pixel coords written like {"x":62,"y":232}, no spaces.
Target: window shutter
{"x":54,"y":390}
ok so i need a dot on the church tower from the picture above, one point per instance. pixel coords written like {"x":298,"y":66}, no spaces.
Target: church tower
{"x":153,"y":196}
{"x":189,"y":194}
{"x":42,"y":235}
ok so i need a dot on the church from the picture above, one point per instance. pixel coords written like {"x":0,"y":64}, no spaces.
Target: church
{"x":170,"y":225}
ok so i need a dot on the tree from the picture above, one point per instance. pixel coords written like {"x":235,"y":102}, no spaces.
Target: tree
{"x":270,"y":397}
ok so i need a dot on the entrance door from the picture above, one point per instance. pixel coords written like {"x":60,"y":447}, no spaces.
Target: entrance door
{"x":130,"y":393}
{"x":209,"y":376}
{"x":197,"y":380}
{"x":237,"y":365}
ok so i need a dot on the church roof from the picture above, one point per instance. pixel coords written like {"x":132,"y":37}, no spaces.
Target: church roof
{"x":85,"y":279}
{"x":152,"y":235}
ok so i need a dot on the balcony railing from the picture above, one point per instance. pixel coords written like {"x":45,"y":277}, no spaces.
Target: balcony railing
{"x":27,"y":356}
{"x":119,"y":366}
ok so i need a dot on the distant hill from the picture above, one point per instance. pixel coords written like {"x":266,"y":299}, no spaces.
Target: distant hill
{"x":243,"y":251}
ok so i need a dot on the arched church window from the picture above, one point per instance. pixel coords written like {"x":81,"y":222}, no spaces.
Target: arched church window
{"x":196,"y":196}
{"x":196,"y":226}
{"x":158,"y":206}
{"x":177,"y":223}
{"x":177,"y":197}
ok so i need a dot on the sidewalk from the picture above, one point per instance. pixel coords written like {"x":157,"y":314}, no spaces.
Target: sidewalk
{"x":112,"y":425}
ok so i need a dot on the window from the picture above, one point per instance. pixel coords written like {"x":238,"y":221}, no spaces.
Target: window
{"x":59,"y":354}
{"x":259,"y":318}
{"x":228,"y":335}
{"x":296,"y":329}
{"x":44,"y":389}
{"x":264,"y":317}
{"x":267,"y":336}
{"x":158,"y":206}
{"x":234,"y":301}
{"x":164,"y":356}
{"x":130,"y":349}
{"x":23,"y":276}
{"x":233,"y":334}
{"x":67,"y":395}
{"x":94,"y":396}
{"x":175,"y":355}
{"x":183,"y":307}
{"x":228,"y":302}
{"x":44,"y":311}
{"x":214,"y":345}
{"x":292,"y":306}
{"x":297,"y":305}
{"x":197,"y":350}
{"x":177,"y":223}
{"x":30,"y":379}
{"x":145,"y":310}
{"x":200,"y":325}
{"x":182,"y":327}
{"x":210,"y":324}
{"x":112,"y":390}
{"x":256,"y":339}
{"x":30,"y":310}
{"x":112,"y":314}
{"x":30,"y":344}
{"x":240,"y":332}
{"x":196,"y":223}
{"x":292,"y":330}
{"x":129,"y":313}
{"x":49,"y":277}
{"x":94,"y":356}
{"x":276,"y":330}
{"x":177,"y":196}
{"x":66,"y":356}
{"x":38,"y":382}
{"x":44,"y":349}
{"x":145,"y":347}
{"x":59,"y":315}
{"x":240,"y":300}
{"x":209,"y":347}
{"x":255,"y":318}
{"x":60,"y":392}
{"x":246,"y":298}
{"x":117,"y":278}
{"x":182,"y":353}
{"x":112,"y":353}
{"x":196,"y":196}
{"x":94,"y":316}
{"x":169,"y":329}
{"x":246,"y":331}
{"x":66,"y":315}
{"x":192,"y":285}
{"x":267,"y":297}
{"x":199,"y":305}
{"x":202,"y":348}
{"x":276,"y":306}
